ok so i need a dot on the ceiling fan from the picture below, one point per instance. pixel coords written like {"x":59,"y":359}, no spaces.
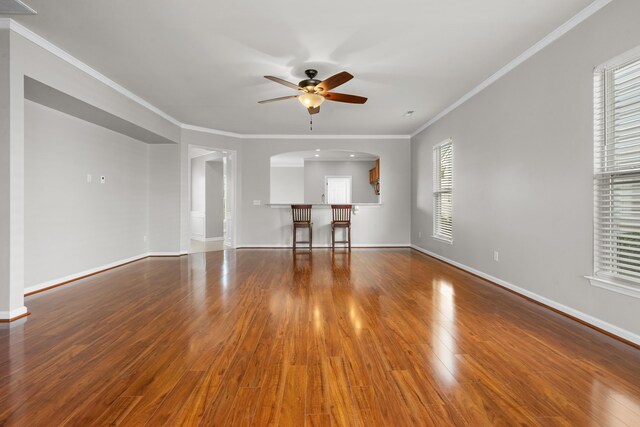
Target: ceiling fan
{"x":314,"y":92}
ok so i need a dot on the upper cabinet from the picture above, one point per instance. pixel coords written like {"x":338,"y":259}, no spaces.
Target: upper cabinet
{"x":374,"y":177}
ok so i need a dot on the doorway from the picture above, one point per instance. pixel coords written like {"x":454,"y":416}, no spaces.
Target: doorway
{"x":338,"y":189}
{"x":211,"y":199}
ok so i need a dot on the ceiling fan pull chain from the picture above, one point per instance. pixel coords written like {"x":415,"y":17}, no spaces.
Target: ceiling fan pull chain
{"x":310,"y":122}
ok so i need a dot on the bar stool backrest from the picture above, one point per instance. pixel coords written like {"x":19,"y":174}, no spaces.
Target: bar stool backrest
{"x":341,"y":213}
{"x":301,"y":213}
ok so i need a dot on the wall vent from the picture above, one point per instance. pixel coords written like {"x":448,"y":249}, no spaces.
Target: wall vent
{"x":15,"y":7}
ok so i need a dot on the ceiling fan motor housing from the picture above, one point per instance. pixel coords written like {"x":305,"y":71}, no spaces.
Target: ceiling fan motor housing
{"x":311,"y":81}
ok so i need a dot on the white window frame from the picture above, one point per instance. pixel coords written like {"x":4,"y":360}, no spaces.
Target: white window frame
{"x":602,"y":134}
{"x":438,"y":190}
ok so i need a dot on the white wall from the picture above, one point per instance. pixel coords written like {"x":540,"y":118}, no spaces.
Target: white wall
{"x":214,"y":177}
{"x":6,"y":304}
{"x":314,"y":179}
{"x":523,"y":171}
{"x":287,"y":184}
{"x":72,"y":225}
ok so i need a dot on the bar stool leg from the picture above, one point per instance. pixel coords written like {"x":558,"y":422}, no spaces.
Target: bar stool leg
{"x":349,"y":237}
{"x":294,"y":237}
{"x":310,"y":237}
{"x":333,"y":237}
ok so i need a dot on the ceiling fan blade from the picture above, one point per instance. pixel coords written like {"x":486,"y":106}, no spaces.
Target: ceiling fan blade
{"x":282,"y":98}
{"x":334,"y":81}
{"x":312,"y":110}
{"x":343,"y":97}
{"x":282,"y":82}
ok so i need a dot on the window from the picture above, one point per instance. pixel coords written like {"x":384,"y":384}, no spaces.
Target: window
{"x":443,"y":191}
{"x":617,"y":176}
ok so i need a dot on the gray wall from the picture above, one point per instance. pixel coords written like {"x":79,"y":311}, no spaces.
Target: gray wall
{"x":315,"y":172}
{"x":287,"y":184}
{"x":523,"y":171}
{"x":72,"y":225}
{"x":214,"y":178}
{"x":266,"y":226}
{"x":387,"y":224}
{"x":207,"y":192}
{"x":28,"y":59}
{"x":164,"y":198}
{"x":198,"y":185}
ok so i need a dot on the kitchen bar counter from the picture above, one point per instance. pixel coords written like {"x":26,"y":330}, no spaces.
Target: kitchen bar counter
{"x":323,"y":205}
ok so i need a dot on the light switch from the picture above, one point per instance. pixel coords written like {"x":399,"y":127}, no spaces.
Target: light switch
{"x":88,"y":178}
{"x":256,"y":203}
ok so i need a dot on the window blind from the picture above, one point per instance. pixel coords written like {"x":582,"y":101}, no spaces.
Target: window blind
{"x":617,"y":172}
{"x":443,"y":191}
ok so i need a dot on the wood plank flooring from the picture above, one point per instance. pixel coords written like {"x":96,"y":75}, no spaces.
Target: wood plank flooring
{"x":269,"y":337}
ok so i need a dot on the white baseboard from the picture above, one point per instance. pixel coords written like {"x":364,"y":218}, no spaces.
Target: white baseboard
{"x":74,"y":276}
{"x":338,"y":245}
{"x":207,"y":239}
{"x":91,"y":271}
{"x":152,"y":254}
{"x":8,"y":315}
{"x":615,"y":330}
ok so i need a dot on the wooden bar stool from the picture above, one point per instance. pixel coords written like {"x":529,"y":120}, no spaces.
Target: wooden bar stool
{"x":302,"y":219}
{"x":341,"y":219}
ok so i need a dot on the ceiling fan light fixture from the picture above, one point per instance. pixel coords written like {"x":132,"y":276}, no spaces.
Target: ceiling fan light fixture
{"x":311,"y":100}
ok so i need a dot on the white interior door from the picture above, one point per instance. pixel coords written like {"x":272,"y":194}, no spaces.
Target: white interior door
{"x":338,"y":189}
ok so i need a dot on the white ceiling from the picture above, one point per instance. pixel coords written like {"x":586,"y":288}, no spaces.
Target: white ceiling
{"x":297,"y":158}
{"x":202,"y":61}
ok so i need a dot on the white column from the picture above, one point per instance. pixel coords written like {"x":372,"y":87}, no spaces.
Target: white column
{"x":11,"y":184}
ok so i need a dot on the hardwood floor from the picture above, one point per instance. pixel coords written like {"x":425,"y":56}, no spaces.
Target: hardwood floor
{"x":264,"y":337}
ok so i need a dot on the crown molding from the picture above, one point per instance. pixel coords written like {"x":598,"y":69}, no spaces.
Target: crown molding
{"x":546,"y":41}
{"x":287,"y":136}
{"x":211,"y":131}
{"x":321,"y":136}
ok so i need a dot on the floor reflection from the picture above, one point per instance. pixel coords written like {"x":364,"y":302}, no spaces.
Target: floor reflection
{"x":613,"y":405}
{"x":197,"y":246}
{"x":302,"y":262}
{"x":444,"y":328}
{"x":341,"y":263}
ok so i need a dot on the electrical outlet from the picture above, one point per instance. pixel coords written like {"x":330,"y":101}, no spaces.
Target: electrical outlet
{"x":256,"y":203}
{"x":419,"y":233}
{"x":102,"y":180}
{"x":144,"y":238}
{"x":496,"y":256}
{"x":89,"y":179}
